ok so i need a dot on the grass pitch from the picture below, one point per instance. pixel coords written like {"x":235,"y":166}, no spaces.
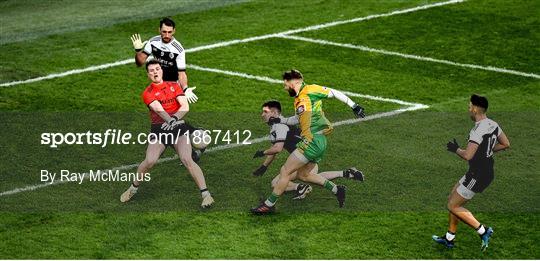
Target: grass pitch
{"x":409,"y":173}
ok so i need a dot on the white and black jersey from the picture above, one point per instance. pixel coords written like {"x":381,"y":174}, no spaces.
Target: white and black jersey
{"x":290,"y":135}
{"x":171,"y":56}
{"x":480,"y":174}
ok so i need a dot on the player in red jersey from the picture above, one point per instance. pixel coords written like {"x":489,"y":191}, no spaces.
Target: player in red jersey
{"x":168,"y":106}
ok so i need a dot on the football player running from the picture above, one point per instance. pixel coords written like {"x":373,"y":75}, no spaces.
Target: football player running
{"x":485,"y":138}
{"x":167,"y":105}
{"x":286,"y":137}
{"x":313,"y":130}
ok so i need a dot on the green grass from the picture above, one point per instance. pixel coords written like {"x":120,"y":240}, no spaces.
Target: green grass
{"x":409,"y":172}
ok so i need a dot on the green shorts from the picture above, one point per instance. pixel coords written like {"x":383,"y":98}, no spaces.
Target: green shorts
{"x":313,"y":151}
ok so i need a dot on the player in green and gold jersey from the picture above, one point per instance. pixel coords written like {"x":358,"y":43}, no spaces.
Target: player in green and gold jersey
{"x":313,"y":129}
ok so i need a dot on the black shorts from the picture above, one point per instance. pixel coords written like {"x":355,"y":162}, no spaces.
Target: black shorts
{"x":478,"y":180}
{"x":168,"y":138}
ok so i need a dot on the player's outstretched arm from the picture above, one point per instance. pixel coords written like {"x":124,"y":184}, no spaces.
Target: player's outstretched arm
{"x":262,"y":169}
{"x":138,"y":46}
{"x":503,"y":143}
{"x":293,"y":120}
{"x":357,"y":109}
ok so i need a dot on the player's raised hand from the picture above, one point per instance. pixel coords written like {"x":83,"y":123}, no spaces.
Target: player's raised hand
{"x":274,"y":120}
{"x":258,"y":154}
{"x":260,"y":171}
{"x":358,"y":111}
{"x":138,"y":45}
{"x":190,"y":95}
{"x":452,"y":146}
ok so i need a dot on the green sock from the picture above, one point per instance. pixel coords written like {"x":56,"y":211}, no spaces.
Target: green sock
{"x":330,"y":186}
{"x":271,"y":201}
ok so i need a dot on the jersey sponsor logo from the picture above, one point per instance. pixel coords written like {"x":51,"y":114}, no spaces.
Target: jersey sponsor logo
{"x":300,"y":109}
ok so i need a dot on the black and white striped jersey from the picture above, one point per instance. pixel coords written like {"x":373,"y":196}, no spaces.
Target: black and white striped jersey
{"x":171,"y":56}
{"x":484,"y":133}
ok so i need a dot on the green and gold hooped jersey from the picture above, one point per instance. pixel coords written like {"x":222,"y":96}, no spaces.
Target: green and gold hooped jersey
{"x":308,"y":107}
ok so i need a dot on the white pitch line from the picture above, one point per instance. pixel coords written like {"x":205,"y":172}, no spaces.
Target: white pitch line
{"x":412,"y":107}
{"x":236,"y":41}
{"x":410,"y":56}
{"x":270,"y":80}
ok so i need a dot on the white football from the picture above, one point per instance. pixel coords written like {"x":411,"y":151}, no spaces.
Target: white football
{"x":200,"y":139}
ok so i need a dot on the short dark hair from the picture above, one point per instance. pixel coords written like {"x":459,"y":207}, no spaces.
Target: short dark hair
{"x":272,"y":104}
{"x":479,"y":101}
{"x":153,"y":61}
{"x":167,"y":21}
{"x":292,"y":74}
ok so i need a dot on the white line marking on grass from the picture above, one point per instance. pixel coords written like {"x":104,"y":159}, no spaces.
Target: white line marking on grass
{"x":410,"y":56}
{"x":411,"y":107}
{"x":70,"y":72}
{"x":236,"y":41}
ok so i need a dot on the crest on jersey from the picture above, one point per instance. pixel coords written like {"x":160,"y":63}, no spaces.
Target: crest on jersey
{"x":171,"y":55}
{"x":157,"y":93}
{"x":300,"y":109}
{"x":172,"y":89}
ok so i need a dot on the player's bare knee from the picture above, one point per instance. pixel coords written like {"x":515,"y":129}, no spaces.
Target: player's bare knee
{"x":187,"y":161}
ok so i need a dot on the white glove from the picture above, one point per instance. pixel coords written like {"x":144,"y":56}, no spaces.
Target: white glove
{"x":138,"y":45}
{"x":190,"y":95}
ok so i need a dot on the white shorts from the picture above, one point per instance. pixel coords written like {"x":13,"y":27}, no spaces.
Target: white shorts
{"x":463,"y":191}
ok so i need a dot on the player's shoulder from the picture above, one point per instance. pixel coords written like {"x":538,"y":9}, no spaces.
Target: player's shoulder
{"x":485,"y":126}
{"x":315,"y":88}
{"x":156,"y":38}
{"x":177,"y":45}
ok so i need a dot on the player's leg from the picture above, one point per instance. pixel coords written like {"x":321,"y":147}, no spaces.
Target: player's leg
{"x":351,"y":173}
{"x":458,"y":198}
{"x":306,"y":173}
{"x":153,"y":152}
{"x":448,"y":239}
{"x":300,"y":189}
{"x":291,"y":165}
{"x":183,"y":148}
{"x":291,"y":186}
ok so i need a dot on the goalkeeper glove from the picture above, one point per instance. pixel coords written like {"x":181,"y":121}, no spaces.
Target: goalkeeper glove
{"x":452,"y":146}
{"x":190,"y":95}
{"x":138,"y":45}
{"x":261,"y":170}
{"x":358,"y":111}
{"x":259,"y":153}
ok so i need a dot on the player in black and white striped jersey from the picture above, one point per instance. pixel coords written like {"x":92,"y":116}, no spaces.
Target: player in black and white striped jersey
{"x":485,"y":138}
{"x":168,"y":52}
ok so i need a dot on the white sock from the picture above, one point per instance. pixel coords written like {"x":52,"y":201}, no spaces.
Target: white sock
{"x":450,"y":236}
{"x":481,"y":230}
{"x":268,"y":203}
{"x":334,"y":190}
{"x":133,"y":188}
